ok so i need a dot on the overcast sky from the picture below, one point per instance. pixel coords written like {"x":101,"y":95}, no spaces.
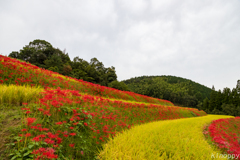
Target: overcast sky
{"x":197,"y":40}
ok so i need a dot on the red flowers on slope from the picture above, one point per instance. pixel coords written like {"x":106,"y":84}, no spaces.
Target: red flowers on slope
{"x":71,"y":122}
{"x":226,"y":134}
{"x":22,"y":73}
{"x":83,"y":119}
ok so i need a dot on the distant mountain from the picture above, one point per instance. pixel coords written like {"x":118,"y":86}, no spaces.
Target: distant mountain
{"x":180,"y":91}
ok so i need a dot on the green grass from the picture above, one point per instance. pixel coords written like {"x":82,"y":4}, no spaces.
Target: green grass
{"x":10,"y":121}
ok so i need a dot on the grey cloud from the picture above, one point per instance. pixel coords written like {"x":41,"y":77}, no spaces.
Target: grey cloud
{"x":198,"y":40}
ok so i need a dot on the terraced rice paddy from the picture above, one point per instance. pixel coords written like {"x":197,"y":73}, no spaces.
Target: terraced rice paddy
{"x":44,"y":115}
{"x":169,"y":139}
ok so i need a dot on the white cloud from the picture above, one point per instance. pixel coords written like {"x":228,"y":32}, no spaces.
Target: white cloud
{"x":134,"y":7}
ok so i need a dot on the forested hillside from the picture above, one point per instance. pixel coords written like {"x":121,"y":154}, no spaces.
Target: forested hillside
{"x":187,"y":93}
{"x":178,"y":90}
{"x":42,"y":54}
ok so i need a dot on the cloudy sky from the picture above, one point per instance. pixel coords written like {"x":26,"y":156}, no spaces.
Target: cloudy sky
{"x":197,"y":40}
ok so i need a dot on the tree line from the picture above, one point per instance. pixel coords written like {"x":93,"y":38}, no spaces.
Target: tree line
{"x":42,"y":54}
{"x":225,"y":102}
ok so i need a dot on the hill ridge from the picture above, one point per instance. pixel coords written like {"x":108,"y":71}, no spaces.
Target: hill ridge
{"x":180,"y":91}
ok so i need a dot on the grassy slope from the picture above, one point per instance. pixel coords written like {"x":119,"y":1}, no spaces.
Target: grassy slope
{"x":170,"y":139}
{"x":11,"y":114}
{"x":10,"y":120}
{"x":11,"y":97}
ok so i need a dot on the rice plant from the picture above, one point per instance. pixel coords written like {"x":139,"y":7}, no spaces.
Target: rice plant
{"x":16,"y":95}
{"x":169,"y":139}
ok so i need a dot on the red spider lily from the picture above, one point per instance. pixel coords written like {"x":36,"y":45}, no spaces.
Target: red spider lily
{"x":28,"y":112}
{"x":59,"y":140}
{"x":42,"y":136}
{"x":58,"y":123}
{"x":225,"y":133}
{"x":44,"y":153}
{"x":27,"y":134}
{"x":49,"y":141}
{"x":75,"y":123}
{"x":30,"y":121}
{"x":56,"y":146}
{"x":72,"y":145}
{"x":23,"y":130}
{"x":65,"y":135}
{"x":36,"y":139}
{"x":50,"y":135}
{"x":40,"y":109}
{"x":72,"y":134}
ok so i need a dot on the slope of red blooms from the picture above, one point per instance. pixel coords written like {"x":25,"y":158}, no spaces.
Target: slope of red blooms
{"x":62,"y":119}
{"x":13,"y":71}
{"x":67,"y":124}
{"x":225,"y":133}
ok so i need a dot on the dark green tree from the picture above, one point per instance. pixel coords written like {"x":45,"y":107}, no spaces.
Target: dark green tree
{"x":54,"y":61}
{"x":14,"y":54}
{"x":36,"y":52}
{"x":67,"y":69}
{"x":111,"y":74}
{"x":118,"y":85}
{"x":226,"y":95}
{"x":235,"y":97}
{"x":219,"y":99}
{"x":229,"y":109}
{"x":40,"y":53}
{"x":213,"y":100}
{"x":79,"y":69}
{"x":206,"y":105}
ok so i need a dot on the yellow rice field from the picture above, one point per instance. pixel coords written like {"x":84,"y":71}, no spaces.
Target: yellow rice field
{"x":170,"y":139}
{"x":16,"y":95}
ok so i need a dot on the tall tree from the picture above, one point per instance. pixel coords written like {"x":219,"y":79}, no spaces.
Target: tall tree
{"x":14,"y":54}
{"x":205,"y":106}
{"x":54,"y":61}
{"x":41,"y":53}
{"x":213,"y":99}
{"x":226,"y":95}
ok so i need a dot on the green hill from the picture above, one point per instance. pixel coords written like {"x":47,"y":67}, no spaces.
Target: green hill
{"x":180,"y":91}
